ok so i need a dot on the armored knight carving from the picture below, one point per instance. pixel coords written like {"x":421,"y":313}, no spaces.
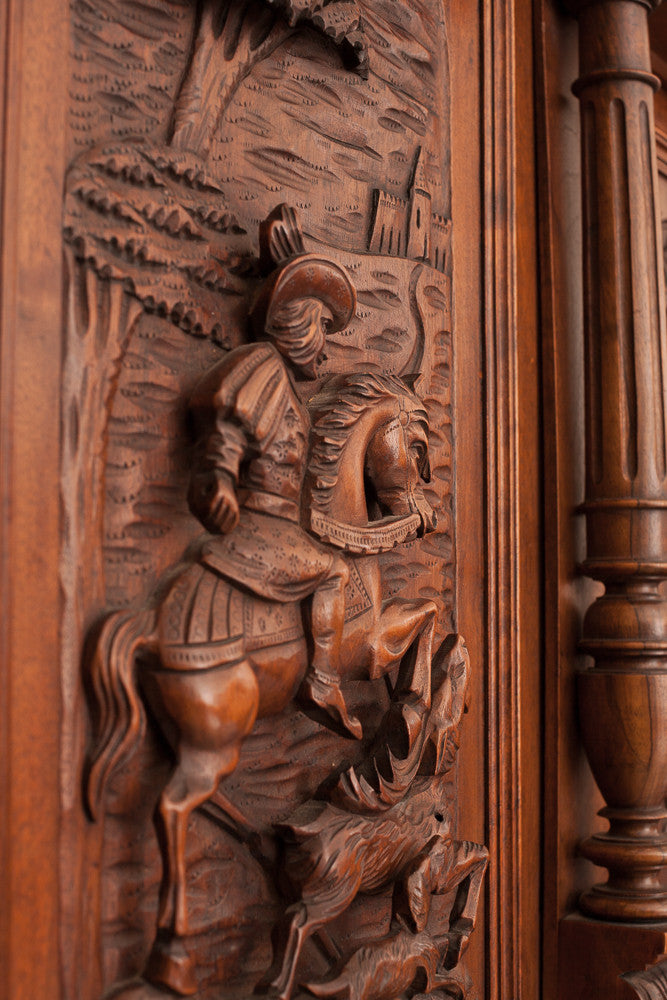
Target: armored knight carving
{"x":291,"y":395}
{"x":247,"y":414}
{"x":222,"y":642}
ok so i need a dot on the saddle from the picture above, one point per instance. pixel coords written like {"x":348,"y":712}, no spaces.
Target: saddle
{"x":206,"y":621}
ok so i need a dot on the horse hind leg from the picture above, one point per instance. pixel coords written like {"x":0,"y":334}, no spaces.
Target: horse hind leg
{"x":194,"y":780}
{"x":207,"y":714}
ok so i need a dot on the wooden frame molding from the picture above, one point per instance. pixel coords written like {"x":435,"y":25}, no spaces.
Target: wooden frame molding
{"x":33,"y":131}
{"x":502,"y":499}
{"x":513,"y":512}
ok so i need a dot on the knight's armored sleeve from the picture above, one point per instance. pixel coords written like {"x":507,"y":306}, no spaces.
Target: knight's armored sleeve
{"x":234,"y":408}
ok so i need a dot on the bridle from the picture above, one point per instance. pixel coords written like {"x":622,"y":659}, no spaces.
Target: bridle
{"x":377,"y":536}
{"x":370,"y":539}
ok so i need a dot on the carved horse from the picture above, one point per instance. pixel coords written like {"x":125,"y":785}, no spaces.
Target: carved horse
{"x":369,"y":449}
{"x":331,"y":854}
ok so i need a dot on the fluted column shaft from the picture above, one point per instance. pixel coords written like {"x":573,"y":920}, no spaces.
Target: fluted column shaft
{"x":623,"y":697}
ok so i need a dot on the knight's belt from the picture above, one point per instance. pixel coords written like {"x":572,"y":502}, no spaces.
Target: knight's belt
{"x":270,"y":503}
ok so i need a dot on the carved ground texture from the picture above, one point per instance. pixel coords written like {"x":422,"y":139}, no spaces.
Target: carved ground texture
{"x":297,"y":128}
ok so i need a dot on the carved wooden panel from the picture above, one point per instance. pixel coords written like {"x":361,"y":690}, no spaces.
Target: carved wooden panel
{"x":239,"y":174}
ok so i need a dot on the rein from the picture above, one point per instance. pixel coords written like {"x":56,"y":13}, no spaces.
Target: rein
{"x":378,"y":536}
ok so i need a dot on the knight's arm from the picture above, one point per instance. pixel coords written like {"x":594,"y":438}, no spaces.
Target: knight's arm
{"x":221,"y":442}
{"x":233,"y":407}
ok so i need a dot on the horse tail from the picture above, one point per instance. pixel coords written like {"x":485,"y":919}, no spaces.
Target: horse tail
{"x":121,"y":719}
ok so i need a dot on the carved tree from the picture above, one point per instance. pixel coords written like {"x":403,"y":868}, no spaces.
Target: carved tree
{"x":232,"y":36}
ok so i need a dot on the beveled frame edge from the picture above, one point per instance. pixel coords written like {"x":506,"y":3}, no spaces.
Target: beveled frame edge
{"x":513,"y":515}
{"x":499,"y":307}
{"x":34,"y":81}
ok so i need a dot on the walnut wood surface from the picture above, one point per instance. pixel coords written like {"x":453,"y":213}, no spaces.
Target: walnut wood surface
{"x":124,"y":80}
{"x":649,"y":984}
{"x":164,"y":263}
{"x":622,"y":699}
{"x":595,"y":956}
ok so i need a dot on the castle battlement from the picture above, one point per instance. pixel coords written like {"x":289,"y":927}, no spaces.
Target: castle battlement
{"x":394,"y":201}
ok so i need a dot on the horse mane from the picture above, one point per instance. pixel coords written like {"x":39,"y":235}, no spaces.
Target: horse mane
{"x":334,"y":410}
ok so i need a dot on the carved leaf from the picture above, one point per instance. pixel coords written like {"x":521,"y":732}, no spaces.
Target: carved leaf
{"x":157,"y":221}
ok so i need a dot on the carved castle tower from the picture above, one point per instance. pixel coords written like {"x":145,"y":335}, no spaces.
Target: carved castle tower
{"x":419,"y":214}
{"x":408,"y":227}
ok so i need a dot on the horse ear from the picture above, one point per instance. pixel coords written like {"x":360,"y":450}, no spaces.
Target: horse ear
{"x":425,"y":471}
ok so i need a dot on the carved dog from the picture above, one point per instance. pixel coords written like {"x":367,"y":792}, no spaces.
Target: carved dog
{"x":332,"y":854}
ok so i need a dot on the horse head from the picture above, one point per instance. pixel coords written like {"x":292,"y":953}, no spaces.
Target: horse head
{"x":397,"y":463}
{"x":369,"y":455}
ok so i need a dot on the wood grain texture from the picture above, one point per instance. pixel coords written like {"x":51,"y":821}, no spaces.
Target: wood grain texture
{"x":124,"y":519}
{"x":570,"y":791}
{"x":595,"y":956}
{"x":650,"y":984}
{"x":512,"y":509}
{"x":163,"y":265}
{"x":621,"y":699}
{"x":30,"y":342}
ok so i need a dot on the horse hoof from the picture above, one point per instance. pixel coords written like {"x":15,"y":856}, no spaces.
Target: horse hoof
{"x":170,"y":965}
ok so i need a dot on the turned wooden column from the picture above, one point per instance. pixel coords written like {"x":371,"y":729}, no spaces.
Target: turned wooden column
{"x":623,"y":696}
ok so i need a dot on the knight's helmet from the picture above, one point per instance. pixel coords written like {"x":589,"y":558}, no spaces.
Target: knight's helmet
{"x":295,"y":277}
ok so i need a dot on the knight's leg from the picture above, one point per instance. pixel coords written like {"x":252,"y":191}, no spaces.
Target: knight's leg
{"x":322,"y":683}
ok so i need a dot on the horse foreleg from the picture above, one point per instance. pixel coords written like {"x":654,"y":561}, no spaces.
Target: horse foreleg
{"x":404,"y":624}
{"x":399,"y":624}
